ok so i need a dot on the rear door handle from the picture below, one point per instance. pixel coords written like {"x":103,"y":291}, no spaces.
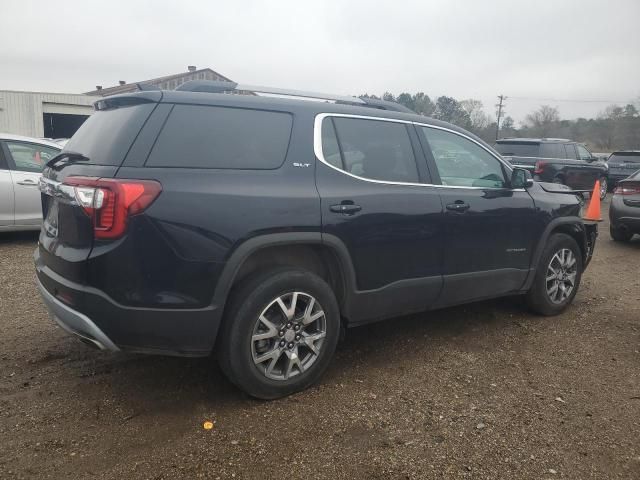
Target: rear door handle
{"x":28,"y":183}
{"x":345,"y":208}
{"x":459,"y":206}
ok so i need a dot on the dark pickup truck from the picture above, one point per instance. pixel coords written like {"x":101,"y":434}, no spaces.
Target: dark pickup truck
{"x":556,"y":160}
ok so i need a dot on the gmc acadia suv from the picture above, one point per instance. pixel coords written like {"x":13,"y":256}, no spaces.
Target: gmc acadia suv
{"x":198,"y":221}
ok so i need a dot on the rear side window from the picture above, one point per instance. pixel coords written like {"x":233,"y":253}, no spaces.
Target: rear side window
{"x":373,"y":149}
{"x":552,"y":150}
{"x":198,"y":136}
{"x":107,"y":135}
{"x":570,"y":151}
{"x":518,"y":149}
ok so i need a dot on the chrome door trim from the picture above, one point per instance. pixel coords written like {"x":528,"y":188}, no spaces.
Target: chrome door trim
{"x":317,"y":148}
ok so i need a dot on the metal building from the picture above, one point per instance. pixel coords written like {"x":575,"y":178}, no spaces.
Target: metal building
{"x":38,"y":114}
{"x":59,"y":115}
{"x":168,"y":82}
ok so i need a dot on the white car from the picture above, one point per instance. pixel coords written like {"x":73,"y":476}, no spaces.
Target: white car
{"x":21,"y":162}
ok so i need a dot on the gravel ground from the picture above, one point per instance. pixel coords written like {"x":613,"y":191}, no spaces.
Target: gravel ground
{"x":482,"y":391}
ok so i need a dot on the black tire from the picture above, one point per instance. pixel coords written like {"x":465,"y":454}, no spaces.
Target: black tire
{"x":538,"y":298}
{"x":619,"y":235}
{"x":248,"y":302}
{"x":604,"y":188}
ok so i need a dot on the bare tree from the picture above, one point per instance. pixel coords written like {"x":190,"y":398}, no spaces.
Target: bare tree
{"x":475,"y":110}
{"x":543,"y":121}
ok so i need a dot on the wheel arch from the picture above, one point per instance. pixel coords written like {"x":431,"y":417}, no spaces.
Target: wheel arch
{"x":572,"y":226}
{"x":324,"y":255}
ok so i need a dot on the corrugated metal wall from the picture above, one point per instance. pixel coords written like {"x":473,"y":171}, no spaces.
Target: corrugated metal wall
{"x":21,"y":112}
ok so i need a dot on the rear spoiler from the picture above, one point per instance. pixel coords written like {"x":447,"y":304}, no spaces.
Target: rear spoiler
{"x":125,"y":100}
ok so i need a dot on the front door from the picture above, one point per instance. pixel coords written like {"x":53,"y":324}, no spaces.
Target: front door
{"x":26,"y":161}
{"x":489,"y":228}
{"x":377,"y":203}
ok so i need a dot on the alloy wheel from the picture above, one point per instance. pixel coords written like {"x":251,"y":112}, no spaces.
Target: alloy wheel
{"x":288,"y":336}
{"x":561,"y":275}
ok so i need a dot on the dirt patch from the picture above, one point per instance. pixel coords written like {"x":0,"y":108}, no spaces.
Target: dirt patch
{"x":482,"y":391}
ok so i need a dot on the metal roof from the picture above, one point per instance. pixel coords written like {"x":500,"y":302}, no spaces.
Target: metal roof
{"x":133,"y":86}
{"x":20,"y":138}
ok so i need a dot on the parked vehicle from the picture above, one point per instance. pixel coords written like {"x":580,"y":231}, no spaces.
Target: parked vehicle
{"x":179,"y":220}
{"x":21,"y":162}
{"x":622,"y":164}
{"x":624,"y":212}
{"x":556,"y":160}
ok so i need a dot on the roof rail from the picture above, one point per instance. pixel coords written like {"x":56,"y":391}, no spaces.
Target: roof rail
{"x":212,"y":86}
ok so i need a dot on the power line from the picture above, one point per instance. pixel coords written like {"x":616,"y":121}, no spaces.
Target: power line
{"x":571,"y":100}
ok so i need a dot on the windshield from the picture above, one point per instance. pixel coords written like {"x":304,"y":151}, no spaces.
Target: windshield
{"x":106,"y":136}
{"x":631,"y":157}
{"x":518,"y":149}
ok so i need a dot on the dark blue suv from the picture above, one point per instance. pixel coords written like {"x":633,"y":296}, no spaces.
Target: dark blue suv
{"x":257,"y":227}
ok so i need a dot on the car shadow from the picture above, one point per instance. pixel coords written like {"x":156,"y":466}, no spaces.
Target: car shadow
{"x":151,"y":385}
{"x":19,"y":238}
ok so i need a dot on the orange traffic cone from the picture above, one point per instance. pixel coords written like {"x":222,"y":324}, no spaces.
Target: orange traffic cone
{"x":593,"y":210}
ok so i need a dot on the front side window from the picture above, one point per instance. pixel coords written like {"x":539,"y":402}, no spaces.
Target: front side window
{"x":463,"y":163}
{"x":372,"y":149}
{"x":583,"y":153}
{"x":30,"y":157}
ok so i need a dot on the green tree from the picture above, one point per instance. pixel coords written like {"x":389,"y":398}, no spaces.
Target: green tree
{"x":407,"y":100}
{"x":449,"y":110}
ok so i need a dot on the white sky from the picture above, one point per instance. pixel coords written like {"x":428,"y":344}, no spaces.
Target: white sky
{"x":543,"y":49}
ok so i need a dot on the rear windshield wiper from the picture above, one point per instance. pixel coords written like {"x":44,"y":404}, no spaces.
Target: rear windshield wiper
{"x":69,"y":156}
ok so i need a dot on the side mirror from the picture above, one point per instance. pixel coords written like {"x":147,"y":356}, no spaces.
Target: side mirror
{"x":521,"y":178}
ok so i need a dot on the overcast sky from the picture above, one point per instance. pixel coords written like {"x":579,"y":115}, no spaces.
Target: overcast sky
{"x":550,"y":50}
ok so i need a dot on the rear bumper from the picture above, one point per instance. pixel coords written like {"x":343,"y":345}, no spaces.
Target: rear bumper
{"x":74,"y":322}
{"x":94,"y":317}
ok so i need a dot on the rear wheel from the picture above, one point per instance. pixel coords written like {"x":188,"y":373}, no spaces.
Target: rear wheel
{"x":280,"y":333}
{"x":557,"y":276}
{"x":619,"y":235}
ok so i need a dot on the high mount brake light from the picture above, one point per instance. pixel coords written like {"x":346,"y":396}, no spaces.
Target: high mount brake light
{"x":111,"y":201}
{"x":539,"y":168}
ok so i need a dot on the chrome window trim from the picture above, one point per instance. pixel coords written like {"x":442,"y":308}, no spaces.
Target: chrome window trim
{"x":317,"y":148}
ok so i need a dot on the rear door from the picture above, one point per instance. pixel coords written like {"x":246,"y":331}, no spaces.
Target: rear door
{"x":6,"y":191}
{"x":26,"y":161}
{"x":377,"y":202}
{"x":97,"y":149}
{"x":489,"y":228}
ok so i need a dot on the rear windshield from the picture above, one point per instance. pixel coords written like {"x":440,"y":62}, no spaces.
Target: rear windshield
{"x":625,"y":157}
{"x":107,"y":135}
{"x":198,"y":136}
{"x":518,"y":149}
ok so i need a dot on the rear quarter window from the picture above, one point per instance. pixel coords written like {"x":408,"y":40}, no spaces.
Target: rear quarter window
{"x":198,"y":136}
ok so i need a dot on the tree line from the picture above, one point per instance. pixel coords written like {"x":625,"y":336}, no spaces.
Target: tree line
{"x":615,"y":128}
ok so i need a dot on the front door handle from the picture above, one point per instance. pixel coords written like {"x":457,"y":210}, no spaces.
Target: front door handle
{"x":345,"y":208}
{"x":459,"y":206}
{"x":28,"y":183}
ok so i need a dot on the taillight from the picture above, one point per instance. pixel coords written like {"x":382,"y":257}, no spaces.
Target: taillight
{"x":539,"y":168}
{"x":111,"y":201}
{"x":627,"y":189}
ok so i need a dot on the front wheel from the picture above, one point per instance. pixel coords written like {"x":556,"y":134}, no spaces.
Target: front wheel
{"x":557,"y":276}
{"x":619,"y":235}
{"x":279,"y":333}
{"x":604,"y":187}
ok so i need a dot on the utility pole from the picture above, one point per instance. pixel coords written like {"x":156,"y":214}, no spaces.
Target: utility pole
{"x":500,"y":105}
